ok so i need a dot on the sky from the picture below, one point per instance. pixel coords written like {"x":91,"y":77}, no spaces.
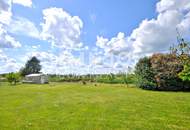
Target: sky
{"x":82,"y":36}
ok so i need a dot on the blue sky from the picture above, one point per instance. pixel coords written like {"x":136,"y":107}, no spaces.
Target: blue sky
{"x":99,"y":17}
{"x":82,"y":36}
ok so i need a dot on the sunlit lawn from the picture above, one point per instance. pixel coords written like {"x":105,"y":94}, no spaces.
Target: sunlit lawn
{"x":75,"y":106}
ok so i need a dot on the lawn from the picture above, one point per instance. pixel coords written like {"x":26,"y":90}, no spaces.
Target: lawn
{"x":73,"y":106}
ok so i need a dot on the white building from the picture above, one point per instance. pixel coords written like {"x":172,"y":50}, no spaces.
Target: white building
{"x":36,"y":78}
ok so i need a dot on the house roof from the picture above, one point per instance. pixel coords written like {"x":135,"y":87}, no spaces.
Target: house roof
{"x":34,"y":75}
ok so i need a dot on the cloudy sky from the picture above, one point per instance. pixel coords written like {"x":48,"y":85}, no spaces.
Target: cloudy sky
{"x":85,"y":36}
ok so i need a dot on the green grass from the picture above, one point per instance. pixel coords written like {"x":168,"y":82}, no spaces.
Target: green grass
{"x":73,"y":106}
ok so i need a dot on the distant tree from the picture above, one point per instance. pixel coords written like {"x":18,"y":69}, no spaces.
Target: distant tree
{"x":32,"y":66}
{"x":13,"y":78}
{"x":111,"y":77}
{"x":124,"y":78}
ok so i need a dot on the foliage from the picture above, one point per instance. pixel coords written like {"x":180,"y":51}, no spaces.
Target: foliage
{"x":166,"y":71}
{"x":111,"y":77}
{"x":32,"y":66}
{"x":182,"y":50}
{"x":185,"y":74}
{"x":101,"y":78}
{"x":166,"y":68}
{"x":128,"y":78}
{"x":125,"y":78}
{"x":145,"y":74}
{"x":13,"y":78}
{"x":160,"y":72}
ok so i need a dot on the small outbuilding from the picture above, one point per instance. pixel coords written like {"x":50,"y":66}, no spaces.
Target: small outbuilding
{"x":36,"y":78}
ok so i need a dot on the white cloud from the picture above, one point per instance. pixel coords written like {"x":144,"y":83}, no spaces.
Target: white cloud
{"x":115,"y":45}
{"x":3,"y":57}
{"x":66,"y":63}
{"x":63,"y":63}
{"x":7,"y":41}
{"x":102,"y":63}
{"x":155,"y":35}
{"x":165,"y":5}
{"x":159,"y":34}
{"x":5,"y":11}
{"x":27,"y":3}
{"x":23,"y":26}
{"x":118,"y":65}
{"x":36,"y":46}
{"x":48,"y":60}
{"x":18,"y":25}
{"x":98,"y":61}
{"x":43,"y":56}
{"x":67,"y":58}
{"x":7,"y":64}
{"x":61,"y":29}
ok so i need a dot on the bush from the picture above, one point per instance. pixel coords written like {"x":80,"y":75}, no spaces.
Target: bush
{"x":13,"y":78}
{"x":161,"y":72}
{"x":144,"y":74}
{"x":166,"y":68}
{"x":185,"y":74}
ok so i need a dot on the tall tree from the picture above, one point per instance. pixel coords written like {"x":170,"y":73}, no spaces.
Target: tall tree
{"x":32,"y":66}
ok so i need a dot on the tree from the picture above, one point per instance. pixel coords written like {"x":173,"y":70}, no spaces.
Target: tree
{"x":145,"y":74}
{"x":111,"y":77}
{"x":182,"y":50}
{"x":166,"y":68}
{"x":32,"y":66}
{"x":160,"y":72}
{"x":13,"y":78}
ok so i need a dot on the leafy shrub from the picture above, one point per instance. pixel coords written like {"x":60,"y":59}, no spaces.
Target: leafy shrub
{"x":161,"y":72}
{"x":13,"y":78}
{"x":185,"y":74}
{"x":145,"y":74}
{"x":166,"y":68}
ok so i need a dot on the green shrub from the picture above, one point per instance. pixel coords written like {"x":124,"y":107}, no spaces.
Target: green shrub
{"x":13,"y":78}
{"x":145,"y":74}
{"x":185,"y":74}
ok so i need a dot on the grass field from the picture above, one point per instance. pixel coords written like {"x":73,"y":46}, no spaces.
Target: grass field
{"x":75,"y":106}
